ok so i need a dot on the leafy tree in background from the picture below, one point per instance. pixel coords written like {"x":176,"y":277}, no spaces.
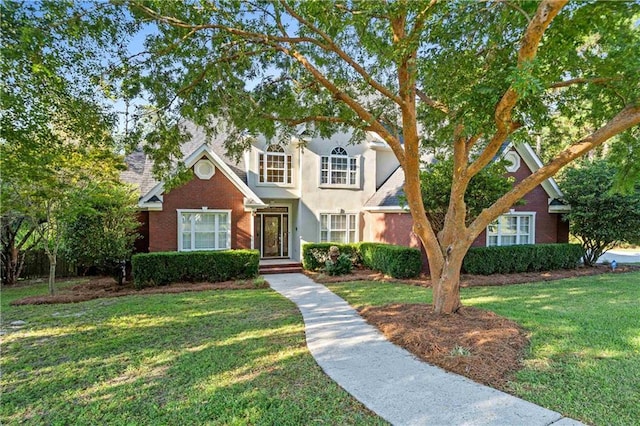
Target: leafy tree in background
{"x":103,"y":234}
{"x":600,"y":217}
{"x":455,"y":75}
{"x":435,"y":182}
{"x":55,"y":128}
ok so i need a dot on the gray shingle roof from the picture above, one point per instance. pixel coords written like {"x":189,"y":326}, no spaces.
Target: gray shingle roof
{"x":388,"y":193}
{"x":139,"y":165}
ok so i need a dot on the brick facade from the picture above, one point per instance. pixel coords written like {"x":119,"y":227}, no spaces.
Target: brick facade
{"x":216,"y":193}
{"x":395,"y":228}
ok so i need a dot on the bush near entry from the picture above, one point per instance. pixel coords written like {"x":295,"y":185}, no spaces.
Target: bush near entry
{"x":396,"y":261}
{"x":315,"y":255}
{"x":524,"y":258}
{"x":152,"y":269}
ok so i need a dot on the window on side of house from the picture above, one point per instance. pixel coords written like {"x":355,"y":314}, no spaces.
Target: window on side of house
{"x":275,"y":166}
{"x":204,"y":230}
{"x":338,"y":228}
{"x":339,"y":169}
{"x":512,"y":229}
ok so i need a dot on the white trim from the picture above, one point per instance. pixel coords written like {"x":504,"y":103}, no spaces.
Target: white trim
{"x":218,"y":163}
{"x":348,"y":229}
{"x":513,"y":158}
{"x":204,"y":210}
{"x":387,"y":209}
{"x":204,"y":174}
{"x":288,"y":230}
{"x":532,"y":226}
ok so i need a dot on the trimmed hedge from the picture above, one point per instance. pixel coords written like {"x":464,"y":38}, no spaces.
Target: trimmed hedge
{"x":397,"y":261}
{"x":315,"y":255}
{"x":521,"y":258}
{"x":153,"y":269}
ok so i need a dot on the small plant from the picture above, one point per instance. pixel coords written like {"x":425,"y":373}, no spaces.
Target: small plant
{"x":341,"y":266}
{"x":260,"y":282}
{"x":460,"y":351}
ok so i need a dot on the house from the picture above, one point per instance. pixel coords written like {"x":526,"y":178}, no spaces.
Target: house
{"x":278,"y":197}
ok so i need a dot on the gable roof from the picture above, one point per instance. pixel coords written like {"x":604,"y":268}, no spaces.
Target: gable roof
{"x":139,"y":171}
{"x":387,"y":198}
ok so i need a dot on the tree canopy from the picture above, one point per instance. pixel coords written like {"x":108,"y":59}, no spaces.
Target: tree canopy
{"x":455,"y":75}
{"x":458,"y":76}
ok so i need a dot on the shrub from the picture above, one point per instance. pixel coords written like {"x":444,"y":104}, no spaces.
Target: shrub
{"x":315,"y":255}
{"x":341,"y":266}
{"x":397,"y":261}
{"x":151,"y":269}
{"x":524,"y":258}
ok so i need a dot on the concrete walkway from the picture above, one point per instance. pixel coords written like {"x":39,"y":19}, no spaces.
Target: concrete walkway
{"x":621,"y":256}
{"x":389,"y":380}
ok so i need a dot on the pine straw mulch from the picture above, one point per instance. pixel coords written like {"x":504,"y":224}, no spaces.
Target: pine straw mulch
{"x":474,"y":343}
{"x":478,"y":344}
{"x":104,"y":287}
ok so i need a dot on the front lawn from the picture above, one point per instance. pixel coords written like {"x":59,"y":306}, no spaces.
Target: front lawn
{"x":584,"y":359}
{"x":213,"y":357}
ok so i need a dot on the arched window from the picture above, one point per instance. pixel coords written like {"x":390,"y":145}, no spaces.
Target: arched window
{"x":339,"y":169}
{"x":275,"y":165}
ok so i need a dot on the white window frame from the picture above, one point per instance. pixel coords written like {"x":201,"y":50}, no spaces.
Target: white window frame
{"x":216,"y":229}
{"x":329,"y":170}
{"x":348,"y":229}
{"x":263,"y":169}
{"x":518,"y":235}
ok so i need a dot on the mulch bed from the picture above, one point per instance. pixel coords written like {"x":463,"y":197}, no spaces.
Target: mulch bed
{"x":475,"y":343}
{"x":100,"y":287}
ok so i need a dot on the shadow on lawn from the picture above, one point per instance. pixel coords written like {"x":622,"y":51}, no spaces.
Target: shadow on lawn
{"x":222,"y":357}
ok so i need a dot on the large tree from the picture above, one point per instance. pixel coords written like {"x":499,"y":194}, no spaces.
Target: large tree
{"x":457,"y":75}
{"x":601,"y":216}
{"x":55,"y":127}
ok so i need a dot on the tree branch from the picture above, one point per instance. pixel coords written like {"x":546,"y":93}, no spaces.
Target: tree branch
{"x":431,"y":102}
{"x":597,"y":80}
{"x":547,"y":10}
{"x":332,"y":46}
{"x":625,"y":119}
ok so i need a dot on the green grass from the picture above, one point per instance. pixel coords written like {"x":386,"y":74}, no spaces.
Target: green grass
{"x":216,"y":357}
{"x":584,"y":359}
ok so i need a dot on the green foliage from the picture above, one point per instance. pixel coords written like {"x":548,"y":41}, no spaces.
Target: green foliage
{"x":600,"y":217}
{"x":521,"y":258}
{"x":341,"y":266}
{"x":152,"y":269}
{"x":103,"y":234}
{"x":315,"y":255}
{"x":396,"y":261}
{"x":484,"y":189}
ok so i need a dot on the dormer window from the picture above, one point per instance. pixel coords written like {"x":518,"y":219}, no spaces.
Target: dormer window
{"x":275,"y":166}
{"x":339,"y":169}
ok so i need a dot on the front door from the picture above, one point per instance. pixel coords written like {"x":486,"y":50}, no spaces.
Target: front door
{"x":272,"y":232}
{"x":272,"y":225}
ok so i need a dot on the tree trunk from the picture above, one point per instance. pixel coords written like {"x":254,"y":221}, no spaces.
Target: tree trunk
{"x":52,"y":274}
{"x":446,"y":284}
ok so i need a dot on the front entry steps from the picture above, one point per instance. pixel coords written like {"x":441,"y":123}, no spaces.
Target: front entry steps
{"x":279,"y":266}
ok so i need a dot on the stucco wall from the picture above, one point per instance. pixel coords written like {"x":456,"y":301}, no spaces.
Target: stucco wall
{"x":217,"y":193}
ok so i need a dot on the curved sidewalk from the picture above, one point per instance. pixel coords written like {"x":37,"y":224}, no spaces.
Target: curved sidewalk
{"x":389,"y":380}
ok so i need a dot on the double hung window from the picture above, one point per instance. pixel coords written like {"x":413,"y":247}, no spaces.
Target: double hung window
{"x":204,"y":230}
{"x":338,"y":228}
{"x":339,"y":169}
{"x":275,"y":166}
{"x":512,"y":229}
